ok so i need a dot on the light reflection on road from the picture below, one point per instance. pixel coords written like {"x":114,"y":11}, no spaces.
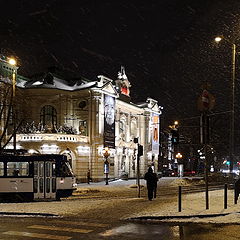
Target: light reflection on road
{"x":172,"y":232}
{"x":134,"y":230}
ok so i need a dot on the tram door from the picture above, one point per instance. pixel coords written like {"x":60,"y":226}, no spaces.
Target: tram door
{"x":44,"y":180}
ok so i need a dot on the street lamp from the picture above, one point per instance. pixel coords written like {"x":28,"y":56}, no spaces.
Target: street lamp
{"x":13,"y":62}
{"x":180,"y":165}
{"x":179,"y":156}
{"x":106,"y":154}
{"x":232,"y":121}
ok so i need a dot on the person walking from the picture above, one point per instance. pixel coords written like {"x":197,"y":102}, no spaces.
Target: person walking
{"x":151,"y":182}
{"x":88,"y":176}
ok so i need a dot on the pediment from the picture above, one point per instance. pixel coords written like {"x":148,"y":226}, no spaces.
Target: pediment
{"x":153,"y":104}
{"x":108,"y":88}
{"x":105,"y":84}
{"x":155,"y":107}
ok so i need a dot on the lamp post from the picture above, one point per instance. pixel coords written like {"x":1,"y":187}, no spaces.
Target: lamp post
{"x":232,"y":121}
{"x":174,"y":138}
{"x":180,"y":165}
{"x":106,"y":154}
{"x":13,"y":62}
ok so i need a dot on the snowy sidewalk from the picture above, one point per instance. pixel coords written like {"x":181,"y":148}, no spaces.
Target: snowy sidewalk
{"x":194,"y":209}
{"x":163,"y":208}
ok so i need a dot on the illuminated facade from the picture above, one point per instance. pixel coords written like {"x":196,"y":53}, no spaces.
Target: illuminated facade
{"x":79,"y":118}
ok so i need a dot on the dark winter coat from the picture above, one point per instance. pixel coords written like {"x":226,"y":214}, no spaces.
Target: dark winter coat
{"x":151,"y":179}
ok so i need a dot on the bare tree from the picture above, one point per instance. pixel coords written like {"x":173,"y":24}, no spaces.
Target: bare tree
{"x":9,"y":121}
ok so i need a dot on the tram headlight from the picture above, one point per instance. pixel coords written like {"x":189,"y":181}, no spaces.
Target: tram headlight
{"x":62,"y":180}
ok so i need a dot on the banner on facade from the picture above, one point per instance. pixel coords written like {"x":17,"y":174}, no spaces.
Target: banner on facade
{"x":109,"y":121}
{"x":155,"y":133}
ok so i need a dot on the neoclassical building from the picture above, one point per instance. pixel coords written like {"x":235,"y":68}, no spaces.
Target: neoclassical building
{"x":79,"y":118}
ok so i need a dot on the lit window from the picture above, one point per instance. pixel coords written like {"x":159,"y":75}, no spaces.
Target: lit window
{"x":83,"y":127}
{"x":48,"y":116}
{"x":17,"y":169}
{"x":1,"y":168}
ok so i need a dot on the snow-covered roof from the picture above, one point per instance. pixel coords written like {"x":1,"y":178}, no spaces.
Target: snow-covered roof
{"x":53,"y":82}
{"x":141,"y":105}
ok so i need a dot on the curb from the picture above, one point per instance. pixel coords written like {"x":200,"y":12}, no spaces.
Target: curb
{"x":28,"y":214}
{"x":178,"y":217}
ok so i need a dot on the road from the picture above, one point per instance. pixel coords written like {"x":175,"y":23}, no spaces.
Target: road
{"x":77,"y":228}
{"x":102,"y":215}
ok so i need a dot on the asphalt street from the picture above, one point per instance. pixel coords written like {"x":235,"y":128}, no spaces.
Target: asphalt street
{"x":77,"y":228}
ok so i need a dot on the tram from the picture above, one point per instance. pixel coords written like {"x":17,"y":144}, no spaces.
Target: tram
{"x":36,"y":177}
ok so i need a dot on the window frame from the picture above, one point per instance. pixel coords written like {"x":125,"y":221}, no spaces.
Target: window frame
{"x":17,"y":166}
{"x":48,"y":115}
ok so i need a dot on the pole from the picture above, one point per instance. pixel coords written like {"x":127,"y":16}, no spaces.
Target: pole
{"x":206,"y":177}
{"x":106,"y":178}
{"x":232,"y":122}
{"x":160,"y":162}
{"x":138,"y":173}
{"x":13,"y":110}
{"x":106,"y":154}
{"x":236,"y":190}
{"x":179,"y":198}
{"x":206,"y":159}
{"x":225,"y":196}
{"x":235,"y":194}
{"x":106,"y":169}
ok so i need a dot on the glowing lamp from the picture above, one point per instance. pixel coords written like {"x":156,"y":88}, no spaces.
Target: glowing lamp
{"x":12,"y":61}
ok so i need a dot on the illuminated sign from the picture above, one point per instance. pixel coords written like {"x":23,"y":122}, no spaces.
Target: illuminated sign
{"x":109,"y":121}
{"x":155,"y":133}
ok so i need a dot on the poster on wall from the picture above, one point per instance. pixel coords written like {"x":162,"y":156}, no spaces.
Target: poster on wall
{"x":109,"y":121}
{"x":155,"y":133}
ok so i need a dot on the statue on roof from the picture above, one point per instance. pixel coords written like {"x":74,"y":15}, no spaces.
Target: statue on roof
{"x":122,"y":83}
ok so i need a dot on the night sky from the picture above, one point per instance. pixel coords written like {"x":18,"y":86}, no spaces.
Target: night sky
{"x":166,"y":46}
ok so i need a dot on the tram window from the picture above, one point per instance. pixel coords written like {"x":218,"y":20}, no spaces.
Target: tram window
{"x":54,"y":170}
{"x":35,"y":169}
{"x":65,"y":170}
{"x":48,"y":169}
{"x":53,"y":185}
{"x":24,"y":169}
{"x":18,"y":169}
{"x":41,"y":167}
{"x":69,"y":168}
{"x":1,"y":168}
{"x":35,"y":185}
{"x":41,"y":185}
{"x":48,"y":185}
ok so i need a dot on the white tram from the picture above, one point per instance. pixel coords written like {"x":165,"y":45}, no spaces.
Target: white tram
{"x":36,"y":177}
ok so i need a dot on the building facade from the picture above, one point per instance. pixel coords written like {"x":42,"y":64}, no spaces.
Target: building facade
{"x":80,"y":118}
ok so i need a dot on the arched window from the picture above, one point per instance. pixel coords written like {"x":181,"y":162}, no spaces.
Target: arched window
{"x":133,"y":127}
{"x":48,"y":116}
{"x":83,"y":127}
{"x":122,"y":127}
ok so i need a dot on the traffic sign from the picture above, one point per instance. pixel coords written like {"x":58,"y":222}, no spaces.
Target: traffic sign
{"x":206,"y":101}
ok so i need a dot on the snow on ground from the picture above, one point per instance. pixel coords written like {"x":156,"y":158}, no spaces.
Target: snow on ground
{"x":194,"y":204}
{"x":186,"y":182}
{"x":131,"y":206}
